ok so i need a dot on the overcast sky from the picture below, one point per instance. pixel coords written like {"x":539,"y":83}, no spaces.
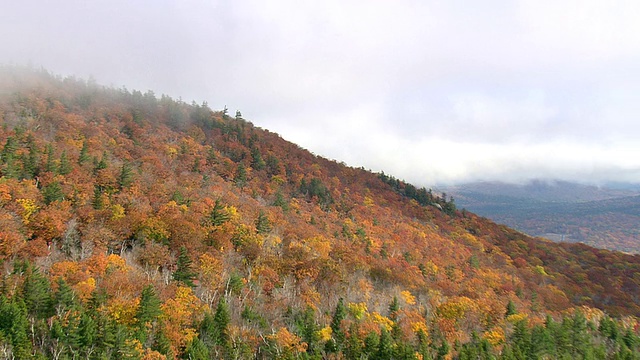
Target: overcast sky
{"x":433,"y":92}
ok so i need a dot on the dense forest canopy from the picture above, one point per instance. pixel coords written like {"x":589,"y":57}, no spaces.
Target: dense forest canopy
{"x":138,"y":226}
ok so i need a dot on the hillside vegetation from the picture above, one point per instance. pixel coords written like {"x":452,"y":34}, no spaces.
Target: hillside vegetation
{"x":142,"y":227}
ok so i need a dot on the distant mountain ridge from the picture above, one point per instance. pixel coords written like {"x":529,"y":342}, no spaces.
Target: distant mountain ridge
{"x":561,"y":211}
{"x":544,"y":191}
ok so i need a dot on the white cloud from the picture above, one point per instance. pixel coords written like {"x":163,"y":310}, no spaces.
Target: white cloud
{"x":429,"y":91}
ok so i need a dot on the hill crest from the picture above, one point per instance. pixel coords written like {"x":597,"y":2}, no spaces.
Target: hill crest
{"x":109,"y":192}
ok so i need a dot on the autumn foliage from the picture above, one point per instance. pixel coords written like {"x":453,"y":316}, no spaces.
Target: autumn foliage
{"x":158,"y":229}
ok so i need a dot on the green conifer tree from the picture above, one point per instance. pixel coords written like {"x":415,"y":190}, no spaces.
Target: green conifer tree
{"x":65,"y":165}
{"x":338,"y":336}
{"x":87,"y":331}
{"x":371,"y":342}
{"x":280,"y":201}
{"x":221,"y":321}
{"x":241,"y":176}
{"x":196,"y":350}
{"x":102,"y":164}
{"x":149,"y":307}
{"x":147,"y":313}
{"x":218,"y":215}
{"x":14,"y":326}
{"x":385,"y":346}
{"x":9,"y":149}
{"x":50,"y":164}
{"x":84,"y":154}
{"x":511,"y":309}
{"x":353,"y":346}
{"x":52,"y":192}
{"x":97,"y":201}
{"x":65,"y":298}
{"x":308,"y":329}
{"x":125,"y":178}
{"x":36,"y":292}
{"x":30,"y":162}
{"x":184,"y":269}
{"x":263,"y":226}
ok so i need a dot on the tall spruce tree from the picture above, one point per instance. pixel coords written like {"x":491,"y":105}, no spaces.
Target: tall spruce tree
{"x":338,"y":336}
{"x":65,"y":165}
{"x":184,"y":269}
{"x":36,"y":291}
{"x":147,"y":313}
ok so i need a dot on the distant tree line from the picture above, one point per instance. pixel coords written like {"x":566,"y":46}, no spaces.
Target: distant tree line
{"x":423,"y":196}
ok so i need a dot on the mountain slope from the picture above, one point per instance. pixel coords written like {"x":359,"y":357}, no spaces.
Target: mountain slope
{"x":169,"y":229}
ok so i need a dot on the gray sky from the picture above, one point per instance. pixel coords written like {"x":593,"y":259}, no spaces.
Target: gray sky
{"x":430,"y":91}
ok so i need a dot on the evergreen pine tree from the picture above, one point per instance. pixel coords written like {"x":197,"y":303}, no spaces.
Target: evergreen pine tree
{"x":84,"y":154}
{"x":257,"y":163}
{"x":102,"y":164}
{"x":72,"y":338}
{"x":353,"y":346}
{"x":87,"y":331}
{"x":207,"y":330}
{"x":308,"y":329}
{"x":36,"y":292}
{"x":65,"y":298}
{"x":50,"y":164}
{"x":385,"y":346}
{"x":123,"y":348}
{"x":511,"y":309}
{"x":9,"y":149}
{"x":65,"y":165}
{"x":14,"y":325}
{"x":147,"y":312}
{"x":280,"y":201}
{"x":105,"y":331}
{"x":218,"y":215}
{"x":241,"y":176}
{"x":371,"y":342}
{"x":541,"y":342}
{"x":97,"y":201}
{"x":184,"y":269}
{"x":338,"y":335}
{"x":11,"y":169}
{"x":52,"y":192}
{"x":443,"y":350}
{"x":394,"y":307}
{"x":196,"y":350}
{"x":521,"y":340}
{"x":149,"y":308}
{"x":125,"y":178}
{"x":263,"y":226}
{"x":579,"y":336}
{"x":30,"y":167}
{"x":221,"y":321}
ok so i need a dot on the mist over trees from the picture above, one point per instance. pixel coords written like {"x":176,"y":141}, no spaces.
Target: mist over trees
{"x":143,"y":227}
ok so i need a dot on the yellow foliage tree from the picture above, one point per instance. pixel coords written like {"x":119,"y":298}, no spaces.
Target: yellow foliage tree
{"x":123,"y":311}
{"x":494,"y":336}
{"x":408,"y":297}
{"x":287,"y":343}
{"x":179,"y":315}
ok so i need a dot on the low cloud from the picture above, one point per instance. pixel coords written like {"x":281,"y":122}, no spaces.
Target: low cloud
{"x":432,"y":92}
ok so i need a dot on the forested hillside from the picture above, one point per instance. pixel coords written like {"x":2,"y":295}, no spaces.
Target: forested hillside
{"x":143,"y":227}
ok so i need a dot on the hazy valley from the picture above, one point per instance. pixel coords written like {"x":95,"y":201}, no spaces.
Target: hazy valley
{"x":607,"y":216}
